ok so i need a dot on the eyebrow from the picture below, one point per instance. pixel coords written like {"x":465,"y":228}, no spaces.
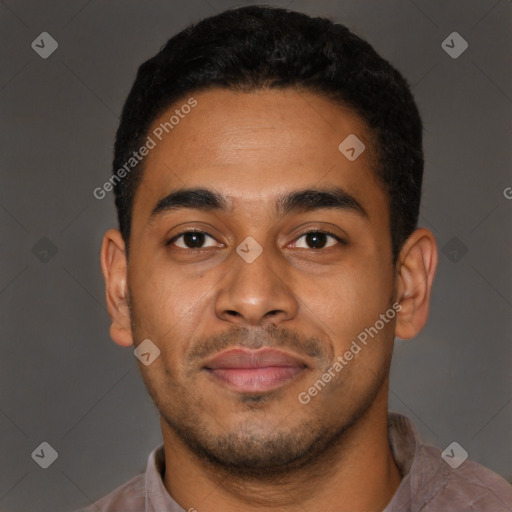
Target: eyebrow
{"x":298,"y":201}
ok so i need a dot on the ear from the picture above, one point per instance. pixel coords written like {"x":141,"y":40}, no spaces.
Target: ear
{"x":114,"y":267}
{"x":416,"y":267}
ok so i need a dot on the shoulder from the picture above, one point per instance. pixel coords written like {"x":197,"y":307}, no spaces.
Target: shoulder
{"x":468,"y":486}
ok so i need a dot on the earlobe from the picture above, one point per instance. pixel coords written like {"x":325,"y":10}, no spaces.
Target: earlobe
{"x":114,"y":269}
{"x":417,"y":265}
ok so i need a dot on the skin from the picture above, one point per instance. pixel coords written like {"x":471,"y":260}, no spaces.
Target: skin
{"x":233,"y":451}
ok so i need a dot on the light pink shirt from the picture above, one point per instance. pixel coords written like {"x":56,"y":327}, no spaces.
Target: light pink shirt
{"x":429,"y":483}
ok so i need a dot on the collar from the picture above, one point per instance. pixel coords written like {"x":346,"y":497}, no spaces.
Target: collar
{"x":403,"y":439}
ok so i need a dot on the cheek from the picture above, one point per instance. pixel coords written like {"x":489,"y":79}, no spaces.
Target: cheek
{"x":172,"y":308}
{"x":158,"y":301}
{"x":353,"y":298}
{"x":355,"y":303}
{"x":164,"y":291}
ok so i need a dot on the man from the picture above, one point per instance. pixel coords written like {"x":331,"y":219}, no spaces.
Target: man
{"x":267,"y":173}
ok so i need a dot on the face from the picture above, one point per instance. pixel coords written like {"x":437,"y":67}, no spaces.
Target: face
{"x":305,"y":276}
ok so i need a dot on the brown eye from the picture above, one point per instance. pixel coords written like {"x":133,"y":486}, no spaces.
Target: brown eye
{"x":318,"y":240}
{"x":191,"y":240}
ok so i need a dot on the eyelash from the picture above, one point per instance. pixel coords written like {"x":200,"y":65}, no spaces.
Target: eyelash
{"x":176,"y":237}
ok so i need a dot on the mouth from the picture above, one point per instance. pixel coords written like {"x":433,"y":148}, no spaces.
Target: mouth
{"x":254,"y":370}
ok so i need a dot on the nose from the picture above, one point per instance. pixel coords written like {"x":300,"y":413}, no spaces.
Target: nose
{"x":256,"y":293}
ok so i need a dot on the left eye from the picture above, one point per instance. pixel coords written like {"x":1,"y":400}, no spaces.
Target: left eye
{"x":317,"y":239}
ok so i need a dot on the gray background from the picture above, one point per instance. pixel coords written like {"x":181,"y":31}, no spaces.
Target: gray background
{"x":63,"y":381}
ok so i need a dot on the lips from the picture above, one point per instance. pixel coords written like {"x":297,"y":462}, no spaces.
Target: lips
{"x":254,"y":371}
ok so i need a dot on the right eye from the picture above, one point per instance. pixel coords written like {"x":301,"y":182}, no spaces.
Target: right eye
{"x":192,"y":239}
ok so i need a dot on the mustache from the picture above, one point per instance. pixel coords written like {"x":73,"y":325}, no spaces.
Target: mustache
{"x":269,"y":336}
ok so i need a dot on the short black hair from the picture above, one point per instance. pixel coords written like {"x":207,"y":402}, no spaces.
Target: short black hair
{"x":259,"y":47}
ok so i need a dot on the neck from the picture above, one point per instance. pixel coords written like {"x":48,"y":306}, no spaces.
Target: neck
{"x":359,"y":474}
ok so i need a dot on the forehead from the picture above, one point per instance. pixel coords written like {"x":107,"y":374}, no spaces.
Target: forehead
{"x":255,"y":146}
